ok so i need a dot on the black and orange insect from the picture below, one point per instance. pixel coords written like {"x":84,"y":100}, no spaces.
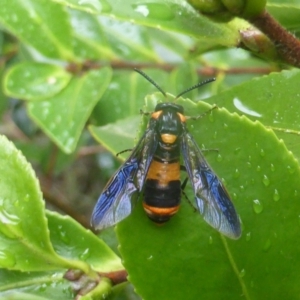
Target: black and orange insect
{"x":153,"y":168}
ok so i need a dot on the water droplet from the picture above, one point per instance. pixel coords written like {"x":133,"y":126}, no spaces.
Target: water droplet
{"x":7,"y":259}
{"x":210,"y":240}
{"x":248,"y":236}
{"x":272,"y":168}
{"x":276,"y":195}
{"x":64,"y":237}
{"x":211,"y":117}
{"x":267,"y":245}
{"x":234,"y":196}
{"x":157,"y":11}
{"x":266,"y":180}
{"x":225,"y":126}
{"x":242,"y":273}
{"x":257,"y":206}
{"x":249,"y":164}
{"x":258,"y":168}
{"x":9,"y":224}
{"x":215,"y":135}
{"x":262,"y":152}
{"x":245,"y":108}
{"x":237,"y":150}
{"x":242,"y":188}
{"x":150,"y":257}
{"x":291,"y":169}
{"x":51,"y":80}
{"x":296,"y":193}
{"x":85,"y":254}
{"x":236,"y":173}
{"x":219,"y":157}
{"x":99,"y":6}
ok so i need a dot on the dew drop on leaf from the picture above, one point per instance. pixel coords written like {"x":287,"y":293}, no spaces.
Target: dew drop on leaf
{"x":99,"y":5}
{"x":276,"y":195}
{"x":257,"y":206}
{"x":237,"y":150}
{"x":64,"y":237}
{"x":290,"y":169}
{"x":242,"y":273}
{"x":236,"y":173}
{"x":156,"y":11}
{"x":267,"y":245}
{"x":266,"y":180}
{"x":248,"y":236}
{"x":85,"y":254}
{"x":7,"y":259}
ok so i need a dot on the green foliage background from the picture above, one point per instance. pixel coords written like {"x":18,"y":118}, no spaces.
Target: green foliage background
{"x":67,"y":82}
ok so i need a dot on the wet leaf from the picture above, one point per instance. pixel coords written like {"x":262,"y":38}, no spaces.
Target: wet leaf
{"x":262,"y":178}
{"x":24,"y":237}
{"x":72,"y":241}
{"x":34,"y":24}
{"x":35,"y":81}
{"x":171,"y":15}
{"x":63,"y":116}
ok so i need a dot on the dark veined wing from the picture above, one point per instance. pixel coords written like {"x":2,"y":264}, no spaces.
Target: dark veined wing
{"x":114,"y":204}
{"x":212,"y":198}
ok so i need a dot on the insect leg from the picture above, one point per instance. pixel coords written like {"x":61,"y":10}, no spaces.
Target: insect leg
{"x":204,"y":114}
{"x":183,"y":185}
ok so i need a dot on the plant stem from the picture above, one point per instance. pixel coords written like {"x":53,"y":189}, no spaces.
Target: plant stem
{"x":287,"y":46}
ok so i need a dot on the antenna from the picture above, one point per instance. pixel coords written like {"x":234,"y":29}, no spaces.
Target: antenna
{"x":196,"y":86}
{"x":151,"y":81}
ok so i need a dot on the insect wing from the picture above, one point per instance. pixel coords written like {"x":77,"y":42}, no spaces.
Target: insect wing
{"x":148,"y":148}
{"x":212,"y":198}
{"x":114,"y":204}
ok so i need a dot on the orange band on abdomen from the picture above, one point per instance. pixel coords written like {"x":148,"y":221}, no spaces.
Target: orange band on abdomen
{"x":160,"y":211}
{"x":164,"y":172}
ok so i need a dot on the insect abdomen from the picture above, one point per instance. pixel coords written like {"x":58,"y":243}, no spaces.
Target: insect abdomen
{"x":162,"y":191}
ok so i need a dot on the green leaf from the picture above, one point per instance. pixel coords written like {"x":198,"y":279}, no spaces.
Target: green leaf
{"x":118,"y":136}
{"x":24,"y":237}
{"x":36,"y":24}
{"x":272,"y":99}
{"x":72,"y":241}
{"x":129,"y":41}
{"x":262,"y":178}
{"x":287,"y":14}
{"x":63,"y":116}
{"x":166,"y":15}
{"x":90,"y":41}
{"x":125,"y":96}
{"x":17,"y":285}
{"x":35,"y":81}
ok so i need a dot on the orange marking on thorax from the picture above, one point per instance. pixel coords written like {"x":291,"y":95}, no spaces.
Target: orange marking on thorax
{"x":182,"y":117}
{"x":168,"y":138}
{"x":156,"y":114}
